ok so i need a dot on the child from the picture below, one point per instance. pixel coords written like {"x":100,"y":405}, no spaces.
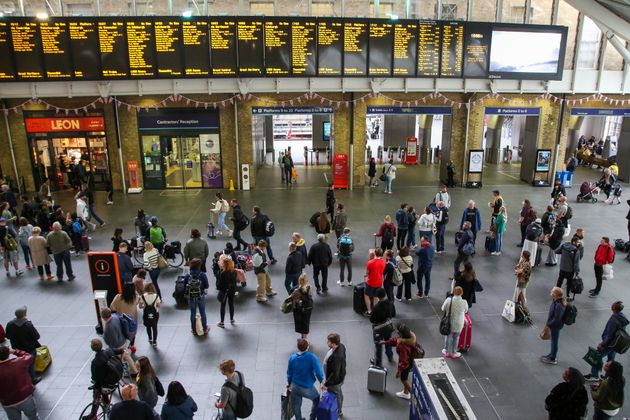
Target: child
{"x":76,"y":232}
{"x":138,"y":281}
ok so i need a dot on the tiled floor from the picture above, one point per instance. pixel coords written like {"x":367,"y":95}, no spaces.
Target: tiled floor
{"x":501,"y":376}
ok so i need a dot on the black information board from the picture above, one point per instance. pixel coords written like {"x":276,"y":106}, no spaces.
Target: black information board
{"x":405,"y":48}
{"x":223,"y":47}
{"x":56,"y":49}
{"x":84,"y":47}
{"x":168,"y":47}
{"x":250,"y":41}
{"x":477,"y":49}
{"x":304,"y":47}
{"x":278,"y":47}
{"x":355,"y":47}
{"x":113,"y":49}
{"x":452,"y":56}
{"x":27,"y":49}
{"x":141,"y":48}
{"x":429,"y":49}
{"x":196,"y":45}
{"x":330,"y":47}
{"x":7,"y":70}
{"x":381,"y":48}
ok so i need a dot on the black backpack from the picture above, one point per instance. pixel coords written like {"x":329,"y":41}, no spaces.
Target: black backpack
{"x":388,"y":235}
{"x":150,"y":312}
{"x":194,"y":288}
{"x":306,"y":304}
{"x":570,"y":314}
{"x":114,"y":370}
{"x":244,"y":398}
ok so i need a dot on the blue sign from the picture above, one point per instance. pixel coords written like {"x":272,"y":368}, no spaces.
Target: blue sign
{"x":178,"y":120}
{"x":493,"y":110}
{"x":413,"y":110}
{"x":602,"y":112}
{"x":421,"y":406}
{"x":278,"y":110}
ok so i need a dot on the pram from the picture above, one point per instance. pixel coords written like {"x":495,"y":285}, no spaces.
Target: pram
{"x":588,"y":191}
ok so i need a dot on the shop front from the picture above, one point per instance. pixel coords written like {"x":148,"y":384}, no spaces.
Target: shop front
{"x":180,"y":148}
{"x":68,"y":151}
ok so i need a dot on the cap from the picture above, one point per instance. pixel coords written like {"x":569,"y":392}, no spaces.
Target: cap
{"x":538,"y":220}
{"x":20,"y":312}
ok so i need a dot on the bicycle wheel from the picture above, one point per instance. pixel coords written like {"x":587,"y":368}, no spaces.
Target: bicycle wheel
{"x":101,"y":412}
{"x":176,"y":261}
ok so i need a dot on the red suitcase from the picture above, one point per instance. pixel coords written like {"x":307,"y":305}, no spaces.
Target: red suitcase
{"x":465,"y":338}
{"x":85,"y":243}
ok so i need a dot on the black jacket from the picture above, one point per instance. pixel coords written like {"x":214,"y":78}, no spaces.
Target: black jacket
{"x":301,"y":249}
{"x":23,"y":335}
{"x":336,"y":366}
{"x":99,"y":366}
{"x":565,"y":403}
{"x":132,"y":409}
{"x":320,"y":255}
{"x":330,"y":199}
{"x":237,"y":217}
{"x":125,"y":267}
{"x":382,"y":311}
{"x":294,"y":263}
{"x":258,"y":225}
{"x":227,"y":281}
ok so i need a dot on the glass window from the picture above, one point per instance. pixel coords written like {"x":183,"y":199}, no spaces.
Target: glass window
{"x":613,"y":60}
{"x":568,"y":16}
{"x":423,"y":9}
{"x":589,"y":45}
{"x":483,"y":10}
{"x":513,"y":11}
{"x":264,"y":8}
{"x":540,"y":12}
{"x":211,"y":161}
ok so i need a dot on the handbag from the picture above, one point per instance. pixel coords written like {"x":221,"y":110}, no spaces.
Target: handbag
{"x":445,"y":322}
{"x":159,"y":388}
{"x":287,"y":306}
{"x":594,"y":358}
{"x":162,"y":263}
{"x":509,"y":311}
{"x":608,"y":273}
{"x":545,"y":334}
{"x":386,"y":327}
{"x":477,"y":287}
{"x":577,"y":286}
{"x":222,"y":296}
{"x":382,"y":177}
{"x":286,"y":402}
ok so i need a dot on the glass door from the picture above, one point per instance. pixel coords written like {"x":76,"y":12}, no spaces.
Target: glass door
{"x":190,"y":161}
{"x":171,"y":153}
{"x":43,"y":165}
{"x":152,"y":162}
{"x":99,"y":162}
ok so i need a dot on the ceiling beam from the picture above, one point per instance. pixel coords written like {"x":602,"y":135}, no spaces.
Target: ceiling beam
{"x":602,"y":15}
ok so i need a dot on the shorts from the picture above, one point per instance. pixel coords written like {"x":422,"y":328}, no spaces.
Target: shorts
{"x":11,"y":256}
{"x":370,"y":291}
{"x":404,"y":375}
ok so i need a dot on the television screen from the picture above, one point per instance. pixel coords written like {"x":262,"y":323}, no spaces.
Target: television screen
{"x":326,"y":131}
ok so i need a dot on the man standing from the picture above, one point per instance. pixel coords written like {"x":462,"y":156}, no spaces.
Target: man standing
{"x":345,"y":245}
{"x":441,"y":219}
{"x":320,"y":257}
{"x":340,"y":221}
{"x":473,"y":216}
{"x":240,"y":223}
{"x":569,"y":265}
{"x":616,"y":322}
{"x":373,"y":279}
{"x":302,"y":371}
{"x":260,"y":232}
{"x":196,"y":248}
{"x":465,"y":247}
{"x":16,"y":388}
{"x":83,"y":212}
{"x":114,"y":337}
{"x":261,"y":268}
{"x":605,"y":254}
{"x":24,"y":336}
{"x":130,"y":407}
{"x":495,"y":205}
{"x":60,"y":243}
{"x":281,"y":164}
{"x":402,"y":224}
{"x":287,"y":164}
{"x":330,"y":201}
{"x":293,"y":268}
{"x":335,"y":369}
{"x":425,"y":263}
{"x":125,"y":266}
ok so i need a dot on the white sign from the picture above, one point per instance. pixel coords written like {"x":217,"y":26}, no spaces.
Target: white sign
{"x":475,"y":163}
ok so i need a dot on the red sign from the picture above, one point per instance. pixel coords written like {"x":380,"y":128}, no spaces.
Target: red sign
{"x":47,"y":125}
{"x":340,"y":171}
{"x":132,"y":168}
{"x":411,"y":158}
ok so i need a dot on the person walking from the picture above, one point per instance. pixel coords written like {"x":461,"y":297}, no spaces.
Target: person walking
{"x":114,"y":337}
{"x":568,"y":399}
{"x":149,"y":385}
{"x":302,"y":307}
{"x":259,"y":227}
{"x":24,"y":336}
{"x":382,"y":312}
{"x":221,"y":207}
{"x":467,"y":280}
{"x":330,"y":201}
{"x":60,"y":243}
{"x":605,"y":254}
{"x":340,"y":220}
{"x":302,"y":371}
{"x":425,"y":255}
{"x":196,"y":284}
{"x":426,"y":224}
{"x":456,"y":307}
{"x":500,"y":226}
{"x":89,"y":194}
{"x":527,"y":216}
{"x":374,"y":269}
{"x":39,"y":254}
{"x":293,"y":268}
{"x":83,"y":212}
{"x":300,"y":245}
{"x":178,"y":405}
{"x":334,"y":368}
{"x":554,"y":324}
{"x":261,"y":268}
{"x":130,"y":407}
{"x":402,"y":224}
{"x":150,"y":258}
{"x":404,"y":261}
{"x":150,"y":302}
{"x":25,"y":231}
{"x":372,"y":172}
{"x":465,"y":247}
{"x":441,"y":219}
{"x":389,"y":170}
{"x":226,"y":284}
{"x":405,"y":344}
{"x":228,"y":399}
{"x":196,"y":247}
{"x":127,"y":303}
{"x":617,"y":322}
{"x":472,"y":215}
{"x":608,"y":395}
{"x":287,"y":164}
{"x":387,"y":233}
{"x":16,"y":389}
{"x":569,"y":265}
{"x":320,"y":257}
{"x":523,"y":271}
{"x":240,"y":223}
{"x":345,"y":246}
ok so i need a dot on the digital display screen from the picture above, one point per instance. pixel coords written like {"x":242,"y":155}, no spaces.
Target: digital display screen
{"x":330,"y":48}
{"x":7,"y":71}
{"x":326,"y":130}
{"x":250,"y":47}
{"x":223,"y":47}
{"x":428,"y":49}
{"x":168,"y":48}
{"x":27,"y":50}
{"x":304,"y":47}
{"x":381,"y":41}
{"x":405,"y":48}
{"x":477,"y":49}
{"x":113,"y":49}
{"x":277,"y":47}
{"x":355,"y":47}
{"x":84,"y":47}
{"x":196,"y":48}
{"x":452,"y":57}
{"x":141,"y":48}
{"x":56,"y":49}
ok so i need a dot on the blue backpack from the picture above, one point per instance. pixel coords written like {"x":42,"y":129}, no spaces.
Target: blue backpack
{"x":77,"y":227}
{"x":345,"y":246}
{"x":129,"y":326}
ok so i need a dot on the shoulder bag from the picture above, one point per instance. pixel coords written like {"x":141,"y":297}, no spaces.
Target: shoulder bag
{"x":445,"y":322}
{"x":386,"y":327}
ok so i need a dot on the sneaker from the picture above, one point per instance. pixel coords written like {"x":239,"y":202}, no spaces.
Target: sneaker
{"x":399,"y":299}
{"x":28,"y":267}
{"x":336,"y":254}
{"x":319,"y":292}
{"x":232,"y":321}
{"x":445,"y":353}
{"x":220,"y":325}
{"x":110,"y":203}
{"x":272,"y":293}
{"x":591,"y":378}
{"x":273,"y":261}
{"x":367,"y":314}
{"x":19,"y":273}
{"x":261,"y":300}
{"x":550,"y":264}
{"x":71,"y":278}
{"x":349,"y":283}
{"x":206,"y":330}
{"x":235,"y":293}
{"x":154,"y":343}
{"x":570,"y":299}
{"x":498,"y":253}
{"x":456,"y":355}
{"x":548,"y":360}
{"x":340,"y":283}
{"x":403,"y":395}
{"x":419,"y":295}
{"x":50,"y":277}
{"x":591,"y":291}
{"x":593,"y":295}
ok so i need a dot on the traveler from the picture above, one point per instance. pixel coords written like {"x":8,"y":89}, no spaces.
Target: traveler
{"x":450,"y":173}
{"x":8,"y":196}
{"x":300,"y":245}
{"x":443,"y":195}
{"x":259,"y":226}
{"x":240,"y":223}
{"x":426,"y":224}
{"x":226,"y":285}
{"x":568,"y":399}
{"x":83,"y":212}
{"x":150,"y":302}
{"x":425,"y":255}
{"x":139,"y":279}
{"x":372,"y":172}
{"x":617,"y":322}
{"x":151,"y":257}
{"x":261,"y":268}
{"x":463,"y":247}
{"x":500,"y":226}
{"x":495,"y":205}
{"x":89,"y":195}
{"x":287,"y":164}
{"x":548,"y":222}
{"x":554,"y":242}
{"x":330,"y":201}
{"x":117,"y":239}
{"x":25,"y":231}
{"x":555,"y":323}
{"x":292,"y":268}
{"x":102,"y":375}
{"x":114,"y":337}
{"x":523,"y":271}
{"x":23,"y":336}
{"x":322,"y":224}
{"x":456,"y":307}
{"x":412,"y":219}
{"x":340,"y":220}
{"x":527,"y":216}
{"x":533,"y":235}
{"x":605,"y":254}
{"x":402,"y":224}
{"x":196,"y":284}
{"x":302,"y":371}
{"x":404,"y":261}
{"x":157,"y":235}
{"x":320,"y":257}
{"x":345,"y":246}
{"x":149,"y":386}
{"x":373,"y":279}
{"x":608,"y":395}
{"x":389,"y":170}
{"x":557,"y":191}
{"x":229,"y":395}
{"x":387,"y":233}
{"x":388,"y":274}
{"x":196,"y":248}
{"x":127,"y":303}
{"x":221,"y":207}
{"x":467,"y":280}
{"x":302,"y":299}
{"x":281,"y":164}
{"x":472,"y":215}
{"x":9,"y":246}
{"x":383,"y":312}
{"x":125,"y":265}
{"x":569,"y":265}
{"x":142,"y":224}
{"x":7,"y":213}
{"x":16,"y":389}
{"x":39,"y":254}
{"x":405,"y":344}
{"x":129,"y":407}
{"x":178,"y":405}
{"x":441,"y":219}
{"x":334,"y":367}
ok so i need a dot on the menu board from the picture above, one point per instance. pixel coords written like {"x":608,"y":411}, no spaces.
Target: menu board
{"x":196,"y":48}
{"x":405,"y":48}
{"x":355,"y":47}
{"x":84,"y":47}
{"x":381,"y":38}
{"x":250,"y":47}
{"x":7,"y":71}
{"x":223,"y":47}
{"x":477,"y":49}
{"x":303,"y":47}
{"x":277,"y":47}
{"x":168,"y":47}
{"x":113,"y":49}
{"x":428,"y":49}
{"x":330,"y":47}
{"x":452,"y":57}
{"x":56,"y":47}
{"x":27,"y":49}
{"x":141,"y":48}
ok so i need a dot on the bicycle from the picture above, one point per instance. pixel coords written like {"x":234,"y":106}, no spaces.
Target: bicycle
{"x":103,"y":401}
{"x":172,"y":252}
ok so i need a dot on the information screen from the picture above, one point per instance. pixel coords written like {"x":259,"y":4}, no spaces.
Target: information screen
{"x":250,"y":47}
{"x":303,"y":47}
{"x":56,"y":49}
{"x":7,"y":71}
{"x":381,"y":41}
{"x":113,"y":49}
{"x":477,"y":49}
{"x":223,"y":47}
{"x":277,"y":47}
{"x":405,"y":48}
{"x":196,"y":48}
{"x":84,"y":47}
{"x":141,"y":48}
{"x":329,"y":47}
{"x":452,"y":57}
{"x":355,"y":47}
{"x":428,"y":49}
{"x":168,"y":48}
{"x":27,"y":50}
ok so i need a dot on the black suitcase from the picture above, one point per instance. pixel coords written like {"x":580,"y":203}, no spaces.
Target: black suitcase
{"x":179,"y":293}
{"x":538,"y":258}
{"x":358,"y":302}
{"x":491,"y":243}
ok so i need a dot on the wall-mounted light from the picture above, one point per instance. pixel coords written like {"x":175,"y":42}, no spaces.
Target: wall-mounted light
{"x":187,"y":13}
{"x":42,"y":15}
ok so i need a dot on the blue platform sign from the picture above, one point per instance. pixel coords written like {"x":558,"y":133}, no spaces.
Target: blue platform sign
{"x":601,"y":112}
{"x":412,"y":110}
{"x":280,"y":110}
{"x":499,"y":110}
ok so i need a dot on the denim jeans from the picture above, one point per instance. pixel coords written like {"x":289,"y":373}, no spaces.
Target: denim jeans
{"x":426,"y":273}
{"x":439,"y":237}
{"x":499,"y":241}
{"x":343,"y":263}
{"x":411,"y":237}
{"x":609,"y":354}
{"x":378,"y":348}
{"x":451,"y":341}
{"x":337,"y":392}
{"x":400,"y":238}
{"x":28,"y":407}
{"x":201,"y":304}
{"x":221,"y":222}
{"x":427,"y":233}
{"x":94,"y":215}
{"x":154,"y":274}
{"x":63,"y":259}
{"x":27,"y":254}
{"x":388,"y":184}
{"x":291,"y":282}
{"x":324,"y":271}
{"x":266,"y":239}
{"x":298,"y":393}
{"x":555,"y":338}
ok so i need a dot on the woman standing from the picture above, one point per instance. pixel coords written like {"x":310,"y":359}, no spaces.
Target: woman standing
{"x":456,"y":307}
{"x":523,"y":271}
{"x":554,"y":323}
{"x":412,"y":219}
{"x":25,"y":232}
{"x":527,"y":216}
{"x":405,"y":346}
{"x":608,"y":394}
{"x":150,"y":302}
{"x":302,"y":306}
{"x":117,"y":239}
{"x":387,"y":233}
{"x":372,"y":172}
{"x":426,"y":224}
{"x":149,"y":386}
{"x":500,"y":226}
{"x":568,"y":399}
{"x":150,"y":257}
{"x":404,"y":261}
{"x":127,"y":303}
{"x":388,"y":275}
{"x":178,"y":404}
{"x":39,"y":254}
{"x":467,"y":280}
{"x":226,"y":284}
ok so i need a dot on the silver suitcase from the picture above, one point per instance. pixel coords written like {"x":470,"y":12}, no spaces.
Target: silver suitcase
{"x":377,"y":379}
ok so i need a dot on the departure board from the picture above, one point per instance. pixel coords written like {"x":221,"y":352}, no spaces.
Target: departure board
{"x":27,"y":50}
{"x":223,"y":47}
{"x":168,"y":47}
{"x":277,"y":47}
{"x":355,"y":47}
{"x":452,"y":57}
{"x":477,"y":49}
{"x":113,"y":49}
{"x":428,"y":49}
{"x":56,"y":48}
{"x":381,"y":38}
{"x":141,"y":48}
{"x":304,"y":47}
{"x":250,"y":41}
{"x":330,"y":47}
{"x":84,"y":48}
{"x":405,"y":49}
{"x":7,"y":71}
{"x":196,"y":48}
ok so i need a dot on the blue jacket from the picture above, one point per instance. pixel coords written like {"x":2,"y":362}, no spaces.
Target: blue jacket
{"x":303,"y":369}
{"x":476,"y":224}
{"x":202,"y":277}
{"x":467,"y":236}
{"x":556,"y":312}
{"x":184,"y":411}
{"x":615,"y":322}
{"x":125,"y":267}
{"x":402,"y":220}
{"x":425,"y":257}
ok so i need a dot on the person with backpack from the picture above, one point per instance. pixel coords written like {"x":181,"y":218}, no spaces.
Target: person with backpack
{"x":149,"y":385}
{"x":340,"y":220}
{"x":608,"y":395}
{"x":389,"y":174}
{"x":240,"y":224}
{"x":441,"y":219}
{"x":83,"y":212}
{"x":7,"y":213}
{"x":178,"y":405}
{"x":262,"y":229}
{"x":569,"y":265}
{"x":196,"y":248}
{"x":157,"y":235}
{"x":548,"y":222}
{"x":345,"y":247}
{"x":300,"y":246}
{"x":226,"y":285}
{"x":302,"y":371}
{"x":568,"y":399}
{"x":195,"y":286}
{"x":261,"y":269}
{"x":60,"y":243}
{"x":465,"y":247}
{"x":115,"y":336}
{"x":533,"y":235}
{"x":17,"y":393}
{"x":455,"y":306}
{"x":387,"y":233}
{"x":330,"y":201}
{"x":554,"y":242}
{"x":382,"y":312}
{"x":150,"y":260}
{"x":9,"y":247}
{"x":142,"y":224}
{"x":615,"y":324}
{"x":442,"y":195}
{"x":527,"y":216}
{"x":412,"y":219}
{"x":388,"y":274}
{"x":425,"y":256}
{"x":404,"y":261}
{"x":302,"y":299}
{"x":402,"y":224}
{"x":500,"y":226}
{"x":605,"y":254}
{"x":320,"y":257}
{"x":24,"y":336}
{"x":555,"y":322}
{"x":150,"y":303}
{"x":287,"y":165}
{"x":221,"y":207}
{"x":231,"y":400}
{"x":405,"y":343}
{"x":127,"y":303}
{"x":130,"y":407}
{"x":334,"y":367}
{"x":472,"y":215}
{"x":106,"y":369}
{"x":426,"y":224}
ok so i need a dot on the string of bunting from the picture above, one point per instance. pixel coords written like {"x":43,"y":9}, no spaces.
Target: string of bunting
{"x":309,"y":96}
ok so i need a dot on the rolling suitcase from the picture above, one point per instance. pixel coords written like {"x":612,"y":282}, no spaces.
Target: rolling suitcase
{"x":358,"y":302}
{"x":328,"y":408}
{"x":491,"y":243}
{"x":538,"y":259}
{"x":465,"y":338}
{"x":377,"y":379}
{"x":179,"y":292}
{"x":85,"y":243}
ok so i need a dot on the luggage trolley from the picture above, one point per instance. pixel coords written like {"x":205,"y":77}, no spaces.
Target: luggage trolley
{"x":435,"y":394}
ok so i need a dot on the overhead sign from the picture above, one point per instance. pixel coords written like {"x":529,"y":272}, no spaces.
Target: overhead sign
{"x":178,"y":120}
{"x":602,"y":112}
{"x":277,"y":110}
{"x":492,"y":110}
{"x":47,"y":125}
{"x":413,"y":110}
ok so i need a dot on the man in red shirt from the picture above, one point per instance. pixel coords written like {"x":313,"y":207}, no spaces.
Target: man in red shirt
{"x":373,"y":279}
{"x":16,"y":387}
{"x":605,"y":254}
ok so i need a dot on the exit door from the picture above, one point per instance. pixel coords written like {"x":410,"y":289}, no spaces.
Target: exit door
{"x":182,"y":159}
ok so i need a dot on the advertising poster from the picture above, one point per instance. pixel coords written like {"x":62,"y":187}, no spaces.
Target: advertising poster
{"x":210,"y":148}
{"x":543,"y":160}
{"x":475,"y":162}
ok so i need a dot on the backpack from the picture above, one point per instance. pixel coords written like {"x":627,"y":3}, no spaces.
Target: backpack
{"x":306,"y":304}
{"x":156,"y":235}
{"x":10,"y":243}
{"x":77,"y":227}
{"x":533,"y":232}
{"x":417,"y":352}
{"x":194,"y":288}
{"x":388,"y":235}
{"x":444,"y":215}
{"x":150,"y":313}
{"x":129,"y":326}
{"x":114,"y":372}
{"x":397,"y":277}
{"x":569,"y":214}
{"x":244,"y":398}
{"x":244,"y":222}
{"x":225,"y":206}
{"x":621,"y":341}
{"x":570,"y":314}
{"x":270,"y":228}
{"x":345,"y":246}
{"x":551,"y":221}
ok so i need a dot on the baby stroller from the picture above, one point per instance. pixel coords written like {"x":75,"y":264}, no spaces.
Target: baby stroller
{"x":588,"y":191}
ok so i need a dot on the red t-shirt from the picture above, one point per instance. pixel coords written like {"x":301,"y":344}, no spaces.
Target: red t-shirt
{"x":374,"y":270}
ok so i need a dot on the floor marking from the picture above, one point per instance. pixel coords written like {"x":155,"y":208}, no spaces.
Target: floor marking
{"x":68,"y":388}
{"x":326,"y":178}
{"x":508,"y":175}
{"x":191,"y":192}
